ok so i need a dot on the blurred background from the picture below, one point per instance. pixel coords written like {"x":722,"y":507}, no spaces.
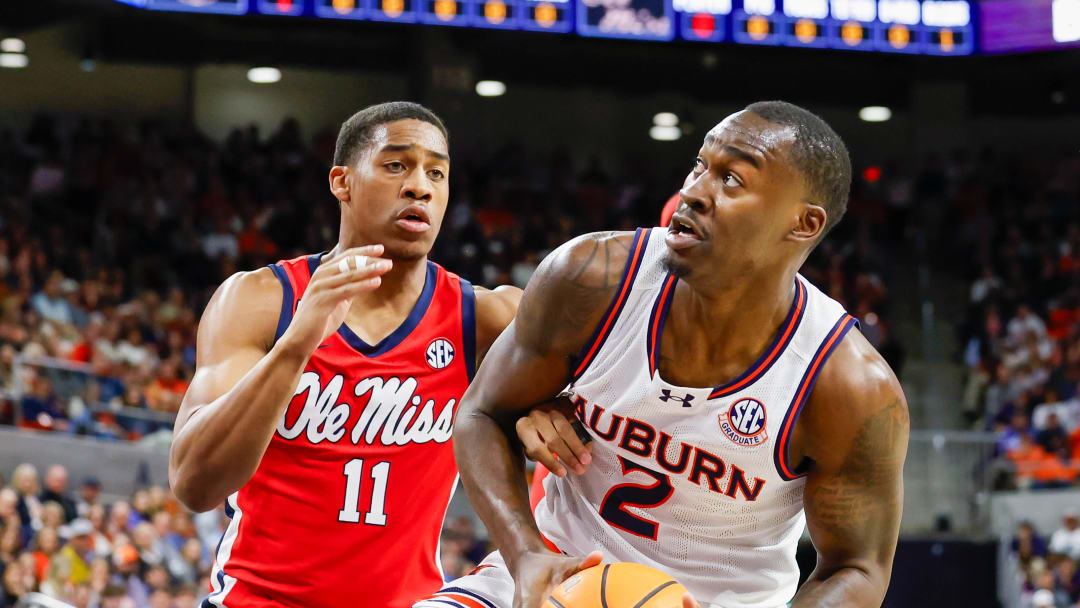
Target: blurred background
{"x":151,"y":148}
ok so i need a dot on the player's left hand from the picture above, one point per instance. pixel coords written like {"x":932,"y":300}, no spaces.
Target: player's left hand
{"x":688,"y":601}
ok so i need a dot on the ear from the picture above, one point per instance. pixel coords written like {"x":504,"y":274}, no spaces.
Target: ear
{"x":809,"y":224}
{"x":339,"y":185}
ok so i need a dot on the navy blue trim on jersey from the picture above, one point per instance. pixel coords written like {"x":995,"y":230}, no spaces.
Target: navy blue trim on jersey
{"x":657,"y":319}
{"x":445,"y":602}
{"x":784,"y":334}
{"x":803,"y":391}
{"x":286,"y":303}
{"x":468,"y":593}
{"x":403,"y":330}
{"x":313,"y":262}
{"x":468,"y":326}
{"x":638,"y":245}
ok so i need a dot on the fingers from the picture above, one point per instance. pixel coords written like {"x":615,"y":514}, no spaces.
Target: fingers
{"x":688,"y":601}
{"x":354,"y":258}
{"x":536,"y":449}
{"x":354,"y":273}
{"x":570,"y":437}
{"x":590,"y":560}
{"x":556,"y":441}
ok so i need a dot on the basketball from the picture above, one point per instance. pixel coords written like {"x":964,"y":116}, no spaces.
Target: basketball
{"x":619,"y":585}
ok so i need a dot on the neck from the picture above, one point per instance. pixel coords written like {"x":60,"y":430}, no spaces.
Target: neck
{"x":740,"y":319}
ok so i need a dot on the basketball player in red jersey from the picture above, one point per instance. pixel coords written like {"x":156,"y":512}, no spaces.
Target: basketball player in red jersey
{"x":322,"y":405}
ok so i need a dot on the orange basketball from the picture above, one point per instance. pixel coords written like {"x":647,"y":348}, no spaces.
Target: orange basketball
{"x":618,"y":585}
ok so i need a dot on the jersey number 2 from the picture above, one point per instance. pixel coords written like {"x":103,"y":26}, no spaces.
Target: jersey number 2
{"x":613,"y":507}
{"x":354,"y":474}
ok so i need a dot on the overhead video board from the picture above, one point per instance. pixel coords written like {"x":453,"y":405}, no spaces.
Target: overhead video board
{"x":940,"y":27}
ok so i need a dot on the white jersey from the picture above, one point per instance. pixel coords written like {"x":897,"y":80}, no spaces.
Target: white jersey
{"x":693,"y":481}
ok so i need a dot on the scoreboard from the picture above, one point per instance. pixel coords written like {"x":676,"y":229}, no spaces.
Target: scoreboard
{"x":936,"y":27}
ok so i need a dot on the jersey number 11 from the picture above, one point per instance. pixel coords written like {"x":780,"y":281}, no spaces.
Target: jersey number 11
{"x":354,"y":474}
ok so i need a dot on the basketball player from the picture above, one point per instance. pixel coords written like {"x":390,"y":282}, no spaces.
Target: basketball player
{"x":326,"y":386}
{"x":726,"y":399}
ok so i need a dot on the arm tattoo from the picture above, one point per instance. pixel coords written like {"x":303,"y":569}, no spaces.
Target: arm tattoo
{"x":569,"y":295}
{"x":854,"y":499}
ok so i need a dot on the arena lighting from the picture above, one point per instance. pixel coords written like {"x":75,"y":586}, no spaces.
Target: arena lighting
{"x":665,"y":119}
{"x":1066,"y":20}
{"x":875,"y":113}
{"x":13,"y":60}
{"x":264,"y":75}
{"x":872,"y":174}
{"x":490,"y":88}
{"x":12,"y":45}
{"x":664,"y":133}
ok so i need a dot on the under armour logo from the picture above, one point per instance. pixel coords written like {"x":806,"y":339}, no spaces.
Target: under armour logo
{"x":667,"y":396}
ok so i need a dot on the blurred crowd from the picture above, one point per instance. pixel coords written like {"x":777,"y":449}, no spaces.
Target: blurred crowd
{"x":113,"y":237}
{"x":1048,"y":567}
{"x":142,"y":551}
{"x":1018,"y":231}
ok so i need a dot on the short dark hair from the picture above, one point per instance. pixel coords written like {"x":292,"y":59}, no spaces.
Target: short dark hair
{"x":818,"y":153}
{"x":357,"y":132}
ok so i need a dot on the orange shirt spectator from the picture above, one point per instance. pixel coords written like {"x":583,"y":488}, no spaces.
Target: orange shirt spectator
{"x":1033,"y":462}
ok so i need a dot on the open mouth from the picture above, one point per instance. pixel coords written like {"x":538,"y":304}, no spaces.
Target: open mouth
{"x":413,"y":218}
{"x":414,"y":213}
{"x":682,"y":226}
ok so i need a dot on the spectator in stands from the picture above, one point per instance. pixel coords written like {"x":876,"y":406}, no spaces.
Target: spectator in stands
{"x":115,"y":595}
{"x":1053,"y":438}
{"x":185,"y":597}
{"x":56,"y":480}
{"x":1037,"y":468}
{"x":42,"y":409}
{"x":1043,"y":598}
{"x":1068,"y":579}
{"x":25,"y":481}
{"x":50,"y":302}
{"x":1009,"y":437}
{"x":70,"y":566}
{"x":18,"y":581}
{"x":52,"y":515}
{"x":45,"y":544}
{"x":97,"y":517}
{"x":1065,"y":541}
{"x":88,"y":496}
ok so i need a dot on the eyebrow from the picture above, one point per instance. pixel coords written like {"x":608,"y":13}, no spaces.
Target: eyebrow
{"x":743,"y":156}
{"x":407,"y":147}
{"x":736,"y":152}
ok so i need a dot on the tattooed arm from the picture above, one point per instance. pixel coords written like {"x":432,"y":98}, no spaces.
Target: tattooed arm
{"x":853,"y":436}
{"x":530,"y":363}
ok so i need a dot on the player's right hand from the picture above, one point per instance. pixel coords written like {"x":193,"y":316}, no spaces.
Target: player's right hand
{"x":537,"y":573}
{"x":329,"y":295}
{"x":548,"y":431}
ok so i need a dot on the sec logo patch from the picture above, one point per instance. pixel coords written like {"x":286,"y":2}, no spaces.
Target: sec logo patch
{"x":744,"y":422}
{"x":440,"y":353}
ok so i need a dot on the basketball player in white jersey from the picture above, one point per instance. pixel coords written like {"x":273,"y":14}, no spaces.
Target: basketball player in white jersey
{"x":726,"y":399}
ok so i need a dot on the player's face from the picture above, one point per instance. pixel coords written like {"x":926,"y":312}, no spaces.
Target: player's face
{"x":398,"y":189}
{"x":739,"y":202}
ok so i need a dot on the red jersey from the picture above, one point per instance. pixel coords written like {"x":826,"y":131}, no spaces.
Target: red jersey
{"x":347,"y":505}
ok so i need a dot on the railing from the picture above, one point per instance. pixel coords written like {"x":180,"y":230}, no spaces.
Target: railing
{"x":70,"y":378}
{"x":948,"y":479}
